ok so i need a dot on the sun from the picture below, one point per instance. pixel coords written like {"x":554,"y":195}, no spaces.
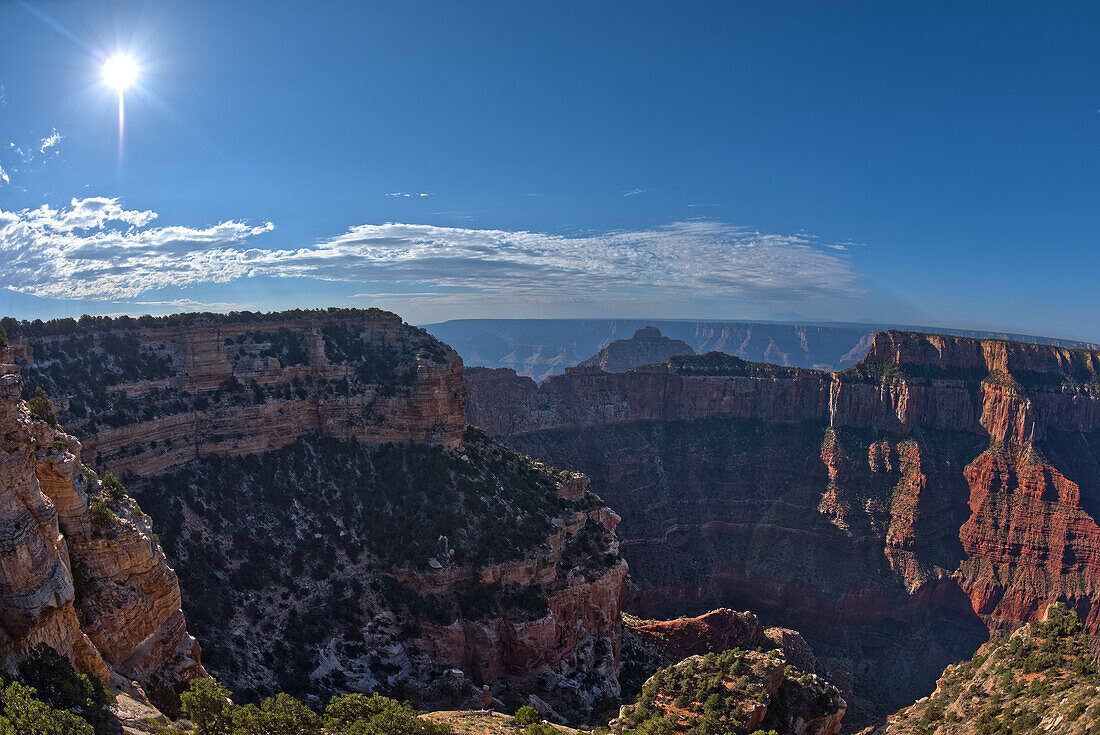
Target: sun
{"x":120,"y":71}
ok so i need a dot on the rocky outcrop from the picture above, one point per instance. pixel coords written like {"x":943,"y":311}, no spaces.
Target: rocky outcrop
{"x":646,"y":347}
{"x":943,"y":487}
{"x":738,"y":692}
{"x":717,"y":630}
{"x":145,"y":395}
{"x":96,"y":588}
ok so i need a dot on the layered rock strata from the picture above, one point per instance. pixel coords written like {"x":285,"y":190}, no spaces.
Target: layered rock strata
{"x":893,"y":512}
{"x":96,"y":588}
{"x":336,"y":526}
{"x":145,"y":395}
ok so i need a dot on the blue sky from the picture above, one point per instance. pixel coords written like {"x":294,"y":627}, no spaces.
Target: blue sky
{"x":933,"y":162}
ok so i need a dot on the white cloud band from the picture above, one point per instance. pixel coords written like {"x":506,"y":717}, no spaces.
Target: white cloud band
{"x":96,"y":249}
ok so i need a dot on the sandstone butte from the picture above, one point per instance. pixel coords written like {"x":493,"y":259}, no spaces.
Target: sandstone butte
{"x":646,"y":347}
{"x":148,"y":395}
{"x":104,"y":597}
{"x":894,"y":512}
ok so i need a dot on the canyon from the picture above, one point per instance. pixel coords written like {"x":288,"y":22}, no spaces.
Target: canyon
{"x":896,"y":513}
{"x":336,"y":525}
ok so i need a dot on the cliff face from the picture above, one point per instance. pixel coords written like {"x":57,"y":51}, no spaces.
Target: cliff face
{"x":646,"y":347}
{"x":148,"y":395}
{"x":96,"y":588}
{"x":941,"y":487}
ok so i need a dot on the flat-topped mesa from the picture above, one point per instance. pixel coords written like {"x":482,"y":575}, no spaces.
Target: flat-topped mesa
{"x":151,"y":393}
{"x":1014,"y":391}
{"x":682,"y":388}
{"x":92,"y":583}
{"x":647,"y":346}
{"x":966,"y":355}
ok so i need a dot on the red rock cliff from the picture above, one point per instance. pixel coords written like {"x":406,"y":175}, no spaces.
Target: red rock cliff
{"x":939,"y":482}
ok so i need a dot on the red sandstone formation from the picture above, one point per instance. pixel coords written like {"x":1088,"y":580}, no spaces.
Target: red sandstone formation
{"x":717,"y":630}
{"x":940,"y":478}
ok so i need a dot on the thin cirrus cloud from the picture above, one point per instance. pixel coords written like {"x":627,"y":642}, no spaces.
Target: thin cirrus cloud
{"x":97,"y":249}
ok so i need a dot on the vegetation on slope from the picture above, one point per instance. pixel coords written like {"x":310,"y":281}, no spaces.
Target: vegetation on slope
{"x":48,"y":697}
{"x":211,"y":711}
{"x":721,"y":364}
{"x":39,"y":328}
{"x":294,"y":556}
{"x":736,"y":691}
{"x":84,"y":361}
{"x":1042,"y":678}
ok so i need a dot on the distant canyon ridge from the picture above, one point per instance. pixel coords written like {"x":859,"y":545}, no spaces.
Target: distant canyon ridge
{"x":539,"y":348}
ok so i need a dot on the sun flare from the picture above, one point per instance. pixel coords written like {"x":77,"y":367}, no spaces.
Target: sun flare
{"x":120,"y":72}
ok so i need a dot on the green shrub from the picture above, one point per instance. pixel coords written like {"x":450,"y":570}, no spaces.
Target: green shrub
{"x":527,"y":715}
{"x":58,"y":685}
{"x":540,"y":728}
{"x":278,"y":715}
{"x":361,"y":714}
{"x":101,"y":514}
{"x":207,"y":705}
{"x":22,"y":714}
{"x":115,"y":490}
{"x":41,"y":408}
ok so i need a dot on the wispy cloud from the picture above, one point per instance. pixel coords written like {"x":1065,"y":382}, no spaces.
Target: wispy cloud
{"x":4,"y":178}
{"x":97,"y":249}
{"x":50,"y":141}
{"x":192,"y":305}
{"x":408,"y":194}
{"x":636,"y":192}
